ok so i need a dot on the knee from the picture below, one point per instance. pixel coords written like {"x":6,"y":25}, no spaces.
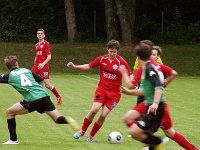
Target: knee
{"x":170,"y":133}
{"x":9,"y":113}
{"x":126,"y":119}
{"x":93,"y":111}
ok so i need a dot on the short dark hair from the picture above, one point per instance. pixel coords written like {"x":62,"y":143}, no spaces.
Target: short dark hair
{"x":148,"y":42}
{"x":11,"y":62}
{"x":143,"y":51}
{"x":40,"y":29}
{"x":113,"y":44}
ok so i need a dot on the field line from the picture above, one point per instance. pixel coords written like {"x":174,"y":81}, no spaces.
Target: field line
{"x":89,"y":78}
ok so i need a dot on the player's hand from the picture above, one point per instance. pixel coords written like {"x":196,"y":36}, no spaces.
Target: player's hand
{"x":70,"y":65}
{"x":40,"y":66}
{"x":153,"y":108}
{"x":124,"y":90}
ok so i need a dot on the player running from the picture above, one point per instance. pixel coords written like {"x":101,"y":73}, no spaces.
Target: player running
{"x":107,"y":94}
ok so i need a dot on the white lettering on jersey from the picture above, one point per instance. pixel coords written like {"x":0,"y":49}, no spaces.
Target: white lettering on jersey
{"x":109,"y":76}
{"x":18,"y":72}
{"x":39,"y":53}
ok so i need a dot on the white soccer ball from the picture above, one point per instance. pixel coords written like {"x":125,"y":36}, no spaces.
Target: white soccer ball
{"x":115,"y":138}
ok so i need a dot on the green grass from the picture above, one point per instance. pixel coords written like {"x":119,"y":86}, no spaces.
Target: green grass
{"x":183,"y":58}
{"x":37,"y":131}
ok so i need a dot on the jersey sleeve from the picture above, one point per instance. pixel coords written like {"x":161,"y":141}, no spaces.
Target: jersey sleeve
{"x":95,"y":62}
{"x":4,"y":78}
{"x":48,"y":48}
{"x":166,"y":70}
{"x":152,"y":75}
{"x":137,"y":76}
{"x":37,"y":77}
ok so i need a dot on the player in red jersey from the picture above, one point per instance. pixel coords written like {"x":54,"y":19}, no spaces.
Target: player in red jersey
{"x":139,"y":110}
{"x":107,"y":94}
{"x":41,"y":62}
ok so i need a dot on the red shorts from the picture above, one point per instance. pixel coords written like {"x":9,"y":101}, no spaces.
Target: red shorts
{"x":166,"y":120}
{"x":108,"y":98}
{"x":44,"y":72}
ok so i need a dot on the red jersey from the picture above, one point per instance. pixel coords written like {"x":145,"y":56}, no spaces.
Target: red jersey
{"x":166,"y":70}
{"x":110,"y":77}
{"x":42,"y":50}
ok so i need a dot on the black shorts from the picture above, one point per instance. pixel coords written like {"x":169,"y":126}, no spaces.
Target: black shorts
{"x":40,"y":105}
{"x":151,"y":122}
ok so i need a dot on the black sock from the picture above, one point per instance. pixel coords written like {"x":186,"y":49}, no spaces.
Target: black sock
{"x":151,"y":148}
{"x":12,"y":129}
{"x":61,"y":120}
{"x":152,"y":140}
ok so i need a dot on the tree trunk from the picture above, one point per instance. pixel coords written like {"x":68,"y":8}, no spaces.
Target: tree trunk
{"x":126,"y":14}
{"x":112,"y":22}
{"x":70,"y":20}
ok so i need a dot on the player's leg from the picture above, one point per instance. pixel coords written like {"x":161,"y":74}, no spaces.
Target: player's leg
{"x":55,"y":115}
{"x":16,"y":109}
{"x":145,"y":137}
{"x":98,"y":124}
{"x":88,"y":119}
{"x":180,"y":139}
{"x":54,"y":90}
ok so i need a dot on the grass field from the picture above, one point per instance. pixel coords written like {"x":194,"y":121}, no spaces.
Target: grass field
{"x":38,"y":132}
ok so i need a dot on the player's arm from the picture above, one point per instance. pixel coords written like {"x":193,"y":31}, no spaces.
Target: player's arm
{"x":122,"y":69}
{"x":80,"y":67}
{"x":4,"y":78}
{"x":170,"y":73}
{"x":41,"y":65}
{"x":155,"y":80}
{"x":135,"y":92}
{"x":38,"y":78}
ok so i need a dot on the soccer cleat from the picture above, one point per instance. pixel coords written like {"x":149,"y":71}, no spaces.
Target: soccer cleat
{"x":160,"y":146}
{"x":59,"y":100}
{"x":11,"y":142}
{"x":78,"y":134}
{"x":90,"y":139}
{"x":72,"y":123}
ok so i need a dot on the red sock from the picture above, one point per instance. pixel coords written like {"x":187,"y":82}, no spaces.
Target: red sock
{"x":85,"y":125}
{"x":182,"y":141}
{"x":55,"y":92}
{"x":131,"y":123}
{"x":95,"y":129}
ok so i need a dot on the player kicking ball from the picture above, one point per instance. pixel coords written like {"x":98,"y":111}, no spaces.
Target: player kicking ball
{"x":35,"y":97}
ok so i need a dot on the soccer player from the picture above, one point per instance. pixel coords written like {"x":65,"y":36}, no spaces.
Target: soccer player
{"x":139,"y":110}
{"x":150,"y":43}
{"x":35,"y":97}
{"x":107,"y":94}
{"x":152,"y":88}
{"x":41,"y":62}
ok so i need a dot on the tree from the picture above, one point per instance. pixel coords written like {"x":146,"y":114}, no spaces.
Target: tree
{"x":126,"y":14}
{"x":70,"y":20}
{"x":120,"y":18}
{"x":112,"y":22}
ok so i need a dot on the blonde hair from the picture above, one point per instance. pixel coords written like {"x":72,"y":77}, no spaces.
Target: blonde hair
{"x":158,"y":49}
